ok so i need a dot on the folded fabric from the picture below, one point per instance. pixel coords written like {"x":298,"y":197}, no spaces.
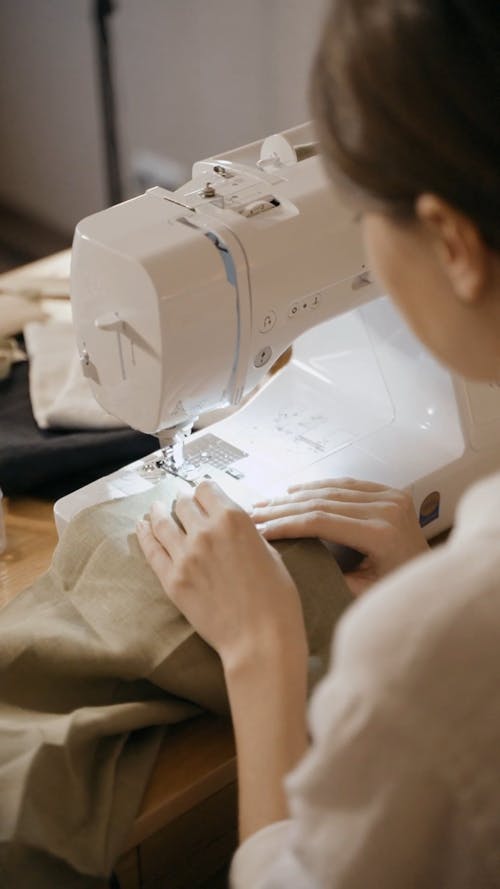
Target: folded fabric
{"x":52,"y":463}
{"x":15,"y":312}
{"x":95,"y":661}
{"x":61,"y":397}
{"x":10,"y":352}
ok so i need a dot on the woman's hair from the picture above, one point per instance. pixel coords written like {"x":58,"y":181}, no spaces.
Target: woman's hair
{"x":406,"y":94}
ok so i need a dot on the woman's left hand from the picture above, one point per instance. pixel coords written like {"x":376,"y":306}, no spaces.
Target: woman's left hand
{"x":377,"y":521}
{"x":230,"y":584}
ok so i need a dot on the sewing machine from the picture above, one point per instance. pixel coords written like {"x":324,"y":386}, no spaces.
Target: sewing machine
{"x":183,"y":300}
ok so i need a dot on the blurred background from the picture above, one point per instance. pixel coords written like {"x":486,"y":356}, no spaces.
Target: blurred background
{"x":100,"y":100}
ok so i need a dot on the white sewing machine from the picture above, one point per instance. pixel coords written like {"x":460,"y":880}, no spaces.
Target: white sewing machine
{"x":183,"y":300}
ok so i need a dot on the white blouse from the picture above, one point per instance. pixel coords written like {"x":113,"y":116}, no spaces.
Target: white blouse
{"x":401,"y":785}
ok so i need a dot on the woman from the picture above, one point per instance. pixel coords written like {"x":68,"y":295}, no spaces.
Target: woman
{"x":400,"y":784}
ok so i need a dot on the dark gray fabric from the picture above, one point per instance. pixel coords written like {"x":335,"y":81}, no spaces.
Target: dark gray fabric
{"x":52,"y":463}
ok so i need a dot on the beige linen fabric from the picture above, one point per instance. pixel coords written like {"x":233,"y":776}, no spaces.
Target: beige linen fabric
{"x":94,"y":662}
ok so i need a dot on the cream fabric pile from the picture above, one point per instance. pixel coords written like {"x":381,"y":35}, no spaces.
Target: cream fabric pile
{"x":17,"y":311}
{"x":61,"y":396}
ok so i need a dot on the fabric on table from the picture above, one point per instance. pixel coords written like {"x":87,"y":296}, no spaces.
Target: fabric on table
{"x":50,"y":463}
{"x":61,"y":397}
{"x":16,"y":311}
{"x":95,"y":661}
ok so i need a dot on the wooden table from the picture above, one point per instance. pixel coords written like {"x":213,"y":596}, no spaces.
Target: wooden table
{"x":185,"y":831}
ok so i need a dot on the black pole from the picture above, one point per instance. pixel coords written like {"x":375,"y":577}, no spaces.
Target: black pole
{"x":102,"y":10}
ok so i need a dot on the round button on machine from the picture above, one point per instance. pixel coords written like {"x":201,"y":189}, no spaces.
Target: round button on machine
{"x":294,"y":309}
{"x":262,"y":357}
{"x":268,"y":321}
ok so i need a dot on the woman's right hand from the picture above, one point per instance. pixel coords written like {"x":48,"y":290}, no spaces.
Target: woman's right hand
{"x":378,"y":521}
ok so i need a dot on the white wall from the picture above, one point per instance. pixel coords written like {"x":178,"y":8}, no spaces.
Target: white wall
{"x":193,"y":77}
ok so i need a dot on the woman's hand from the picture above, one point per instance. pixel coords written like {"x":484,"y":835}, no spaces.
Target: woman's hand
{"x":379,"y":522}
{"x":222,"y":575}
{"x":236,"y":592}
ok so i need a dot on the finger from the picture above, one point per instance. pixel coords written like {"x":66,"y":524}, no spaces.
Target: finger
{"x":154,"y":553}
{"x":211,"y":498}
{"x":189,"y":513}
{"x":325,"y":493}
{"x":165,"y":529}
{"x":314,"y":506}
{"x":346,"y":483}
{"x":355,"y":533}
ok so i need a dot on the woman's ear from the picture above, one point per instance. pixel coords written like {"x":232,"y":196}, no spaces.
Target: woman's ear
{"x":458,"y":245}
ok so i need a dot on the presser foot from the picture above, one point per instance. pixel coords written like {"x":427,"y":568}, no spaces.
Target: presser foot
{"x":159,"y":467}
{"x":171,"y":460}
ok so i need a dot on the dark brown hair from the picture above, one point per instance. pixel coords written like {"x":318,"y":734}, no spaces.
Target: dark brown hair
{"x":406,"y":94}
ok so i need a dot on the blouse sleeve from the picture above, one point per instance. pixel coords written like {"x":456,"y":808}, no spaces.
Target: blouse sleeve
{"x":267,"y":859}
{"x":370,"y":804}
{"x":364,"y":813}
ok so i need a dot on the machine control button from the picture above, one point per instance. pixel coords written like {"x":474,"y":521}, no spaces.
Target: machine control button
{"x":262,"y":357}
{"x":261,"y":205}
{"x":268,"y":321}
{"x":254,"y":208}
{"x":235,"y":473}
{"x":308,"y":304}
